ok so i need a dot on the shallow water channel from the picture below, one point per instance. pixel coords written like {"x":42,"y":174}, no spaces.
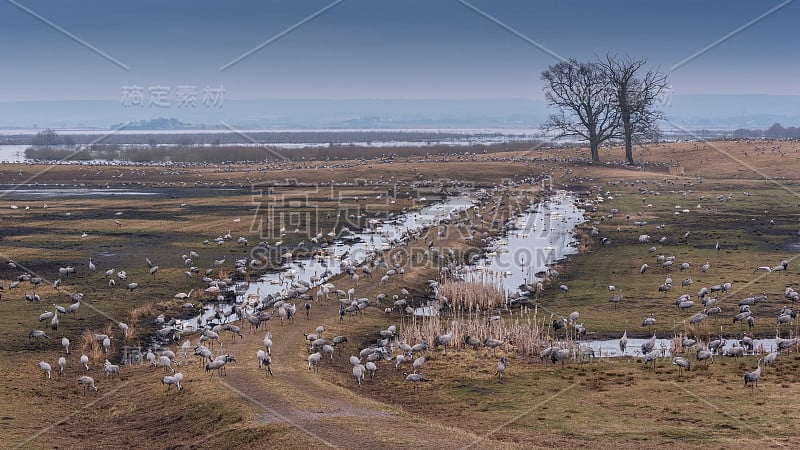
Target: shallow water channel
{"x":538,"y":238}
{"x":382,"y":235}
{"x":609,"y":348}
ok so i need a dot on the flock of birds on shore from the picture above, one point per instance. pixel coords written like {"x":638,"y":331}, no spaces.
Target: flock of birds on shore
{"x":209,"y":332}
{"x":255,"y":314}
{"x":387,"y":346}
{"x":712,"y":304}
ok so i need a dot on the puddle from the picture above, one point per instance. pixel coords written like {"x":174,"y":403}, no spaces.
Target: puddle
{"x":791,"y":246}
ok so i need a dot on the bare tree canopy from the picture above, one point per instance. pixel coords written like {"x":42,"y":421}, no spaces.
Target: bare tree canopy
{"x":634,"y":94}
{"x":613,"y":98}
{"x":580,"y":92}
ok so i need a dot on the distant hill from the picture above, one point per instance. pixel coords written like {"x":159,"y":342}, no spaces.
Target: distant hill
{"x":160,"y":123}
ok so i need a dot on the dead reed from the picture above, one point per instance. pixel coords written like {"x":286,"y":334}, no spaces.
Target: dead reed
{"x":140,"y":312}
{"x":90,"y":347}
{"x":522,"y":331}
{"x":473,"y":296}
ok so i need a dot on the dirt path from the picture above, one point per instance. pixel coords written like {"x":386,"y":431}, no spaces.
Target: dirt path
{"x":330,"y":414}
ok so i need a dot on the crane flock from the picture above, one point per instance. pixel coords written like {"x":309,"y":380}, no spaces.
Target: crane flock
{"x":388,"y":343}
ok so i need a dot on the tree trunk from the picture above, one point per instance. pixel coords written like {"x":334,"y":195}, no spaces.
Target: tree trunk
{"x":595,"y":152}
{"x":629,"y":143}
{"x":627,"y":126}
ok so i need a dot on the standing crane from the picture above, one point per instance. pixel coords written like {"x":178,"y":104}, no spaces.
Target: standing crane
{"x":752,"y":377}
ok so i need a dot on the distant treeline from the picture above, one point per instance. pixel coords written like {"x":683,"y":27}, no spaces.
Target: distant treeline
{"x":161,"y":123}
{"x":254,"y":154}
{"x":49,"y":137}
{"x":776,"y":131}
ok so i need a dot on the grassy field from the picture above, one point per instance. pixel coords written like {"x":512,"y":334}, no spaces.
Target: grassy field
{"x":742,"y":195}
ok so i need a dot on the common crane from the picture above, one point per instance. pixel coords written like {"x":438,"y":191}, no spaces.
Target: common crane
{"x":752,"y":377}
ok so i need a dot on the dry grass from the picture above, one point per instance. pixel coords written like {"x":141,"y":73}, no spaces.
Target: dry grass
{"x":522,"y":331}
{"x":90,"y":347}
{"x":142,"y":312}
{"x":472,"y":296}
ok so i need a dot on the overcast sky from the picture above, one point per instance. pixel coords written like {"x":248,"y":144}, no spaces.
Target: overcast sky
{"x":384,"y":49}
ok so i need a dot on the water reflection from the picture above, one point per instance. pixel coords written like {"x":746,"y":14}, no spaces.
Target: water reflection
{"x":610,"y":348}
{"x":538,"y":238}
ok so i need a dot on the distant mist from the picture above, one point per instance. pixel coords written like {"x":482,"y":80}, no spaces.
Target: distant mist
{"x":683,"y":111}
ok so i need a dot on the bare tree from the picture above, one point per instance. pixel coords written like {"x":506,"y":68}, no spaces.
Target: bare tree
{"x":579,"y":91}
{"x":634,"y":95}
{"x":46,"y":138}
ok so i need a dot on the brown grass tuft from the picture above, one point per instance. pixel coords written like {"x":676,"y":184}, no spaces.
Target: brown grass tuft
{"x":90,"y":347}
{"x":137,"y":314}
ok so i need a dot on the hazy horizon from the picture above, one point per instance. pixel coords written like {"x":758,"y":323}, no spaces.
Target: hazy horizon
{"x":687,"y":111}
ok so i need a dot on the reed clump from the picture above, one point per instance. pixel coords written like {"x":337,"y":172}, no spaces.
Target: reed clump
{"x":473,"y":296}
{"x":523,"y":332}
{"x":90,"y":347}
